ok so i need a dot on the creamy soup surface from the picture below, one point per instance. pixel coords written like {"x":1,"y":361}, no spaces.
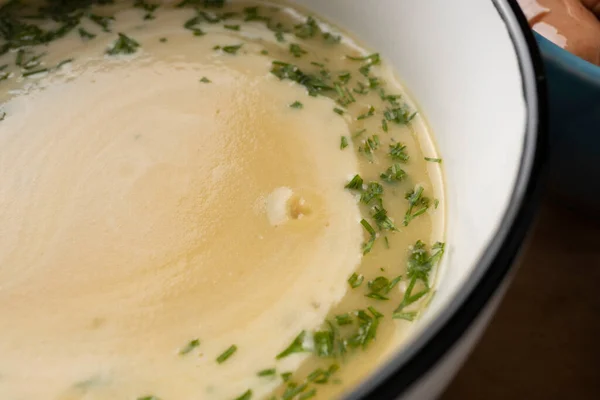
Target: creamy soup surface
{"x":205,"y":200}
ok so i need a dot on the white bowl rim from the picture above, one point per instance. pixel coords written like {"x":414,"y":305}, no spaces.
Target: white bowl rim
{"x":493,"y":267}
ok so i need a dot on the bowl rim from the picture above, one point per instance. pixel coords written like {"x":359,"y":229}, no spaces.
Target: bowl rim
{"x":493,"y":267}
{"x":568,"y":61}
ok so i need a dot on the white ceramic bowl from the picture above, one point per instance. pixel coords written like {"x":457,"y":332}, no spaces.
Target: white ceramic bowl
{"x":473,"y":69}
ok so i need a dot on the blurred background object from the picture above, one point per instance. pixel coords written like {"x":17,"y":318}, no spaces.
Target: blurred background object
{"x":544,"y":341}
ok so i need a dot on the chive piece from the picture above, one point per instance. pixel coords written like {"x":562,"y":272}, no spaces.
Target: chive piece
{"x":192,"y":25}
{"x":398,"y":152}
{"x":384,"y":222}
{"x":307,"y":30}
{"x":123,"y":45}
{"x":366,"y":332}
{"x":148,"y":398}
{"x":103,"y":22}
{"x":343,"y":142}
{"x":330,"y":38}
{"x":393,"y":283}
{"x":387,"y":242}
{"x":435,"y":160}
{"x":436,"y":203}
{"x":264,"y":52}
{"x":408,"y":316}
{"x":297,"y":346}
{"x":399,"y":115}
{"x":321,"y":376}
{"x":368,"y":114}
{"x":297,"y":104}
{"x":372,"y":59}
{"x":314,"y":84}
{"x":367,"y":246}
{"x":395,"y":173}
{"x":85,"y":34}
{"x":226,"y":354}
{"x":415,"y":199}
{"x":232,"y":27}
{"x":162,"y":40}
{"x":375,"y":313}
{"x":189,"y":347}
{"x":323,"y":342}
{"x":358,"y":133}
{"x":356,"y":183}
{"x":355,"y":280}
{"x":267,"y":372}
{"x":205,"y":80}
{"x":296,"y":50}
{"x":384,"y":125}
{"x":247,"y":395}
{"x":373,"y":192}
{"x":343,"y":319}
{"x":344,"y":77}
{"x":233,"y":49}
{"x":35,"y":72}
{"x":338,"y":111}
{"x":286,"y":376}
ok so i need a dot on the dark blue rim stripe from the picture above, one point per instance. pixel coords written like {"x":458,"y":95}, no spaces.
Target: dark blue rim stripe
{"x":501,"y":253}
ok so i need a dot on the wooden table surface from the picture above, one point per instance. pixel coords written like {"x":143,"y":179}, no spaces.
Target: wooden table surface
{"x":544,"y":341}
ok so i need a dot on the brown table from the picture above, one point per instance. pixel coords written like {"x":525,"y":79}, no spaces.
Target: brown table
{"x":544,"y":341}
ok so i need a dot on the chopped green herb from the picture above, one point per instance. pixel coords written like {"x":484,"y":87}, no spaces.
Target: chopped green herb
{"x":232,"y":27}
{"x":338,"y":111}
{"x":375,"y":313}
{"x":373,"y":192}
{"x":205,"y":80}
{"x":384,"y":125}
{"x":343,"y":319}
{"x":307,"y":30}
{"x":264,"y":52}
{"x":372,"y":59}
{"x":343,"y":142}
{"x":345,"y":77}
{"x":149,"y":8}
{"x":297,"y":346}
{"x":226,"y":354}
{"x":355,"y":183}
{"x":292,"y":390}
{"x":85,"y":34}
{"x":321,"y":376}
{"x":435,"y":160}
{"x":371,"y":144}
{"x":312,"y":83}
{"x":367,"y":246}
{"x":345,"y":97}
{"x":192,"y":25}
{"x":408,"y":316}
{"x":355,"y":280}
{"x":267,"y":372}
{"x":35,"y":72}
{"x":148,"y":398}
{"x":323,"y":343}
{"x":102,"y":21}
{"x":247,"y":395}
{"x":362,"y":89}
{"x":162,"y":40}
{"x":297,"y":104}
{"x":286,"y":376}
{"x":367,"y":330}
{"x":368,"y":114}
{"x":384,"y":222}
{"x":415,"y":200}
{"x":296,"y":50}
{"x":399,"y":115}
{"x":398,"y":152}
{"x":436,"y":203}
{"x":2,"y":115}
{"x":123,"y":45}
{"x":395,"y":173}
{"x":358,"y":133}
{"x":252,"y":14}
{"x":233,"y":49}
{"x":189,"y":347}
{"x":331,"y":38}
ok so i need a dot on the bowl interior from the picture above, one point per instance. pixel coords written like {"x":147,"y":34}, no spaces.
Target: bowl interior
{"x":465,"y":76}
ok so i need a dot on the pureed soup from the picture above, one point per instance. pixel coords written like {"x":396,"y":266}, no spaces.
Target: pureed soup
{"x":204,"y":200}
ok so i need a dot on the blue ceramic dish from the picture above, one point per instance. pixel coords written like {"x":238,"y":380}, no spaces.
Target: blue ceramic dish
{"x":574,"y":96}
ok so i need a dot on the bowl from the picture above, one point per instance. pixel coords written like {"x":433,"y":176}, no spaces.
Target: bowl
{"x":474,"y":69}
{"x":574,"y":96}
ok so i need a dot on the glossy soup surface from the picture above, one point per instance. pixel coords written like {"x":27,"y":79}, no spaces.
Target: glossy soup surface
{"x":204,"y":201}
